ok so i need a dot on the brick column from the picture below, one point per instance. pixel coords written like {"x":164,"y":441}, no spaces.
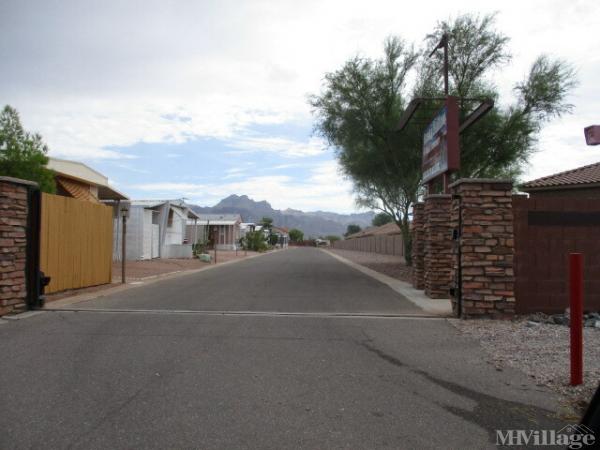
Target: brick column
{"x":438,"y":246}
{"x":418,"y":245}
{"x":13,"y":244}
{"x":486,"y":246}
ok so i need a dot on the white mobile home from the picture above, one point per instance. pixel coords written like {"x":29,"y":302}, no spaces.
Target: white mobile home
{"x":222,"y":230}
{"x":156,"y":229}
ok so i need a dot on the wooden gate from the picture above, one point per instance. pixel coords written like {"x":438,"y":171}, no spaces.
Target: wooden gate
{"x":76,"y":243}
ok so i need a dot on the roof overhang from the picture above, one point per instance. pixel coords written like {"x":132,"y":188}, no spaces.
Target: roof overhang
{"x":192,"y":214}
{"x":560,"y":187}
{"x":105,"y":192}
{"x":108,"y":193}
{"x":216,"y":222}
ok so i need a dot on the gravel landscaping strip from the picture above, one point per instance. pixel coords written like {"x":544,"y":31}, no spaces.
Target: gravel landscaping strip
{"x":541,"y":351}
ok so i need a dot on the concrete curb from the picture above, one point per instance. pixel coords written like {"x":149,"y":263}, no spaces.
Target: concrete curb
{"x":79,"y":298}
{"x":437,"y":307}
{"x":20,"y":316}
{"x":318,"y":315}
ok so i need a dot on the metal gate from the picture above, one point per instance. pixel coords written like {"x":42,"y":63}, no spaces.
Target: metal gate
{"x":35,"y":281}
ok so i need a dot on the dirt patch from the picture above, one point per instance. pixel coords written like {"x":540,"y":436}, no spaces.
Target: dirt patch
{"x":390,"y":265}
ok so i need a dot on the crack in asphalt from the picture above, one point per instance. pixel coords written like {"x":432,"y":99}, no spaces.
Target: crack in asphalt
{"x":488,"y":409}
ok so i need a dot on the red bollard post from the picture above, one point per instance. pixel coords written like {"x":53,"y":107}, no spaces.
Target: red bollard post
{"x":576,"y":304}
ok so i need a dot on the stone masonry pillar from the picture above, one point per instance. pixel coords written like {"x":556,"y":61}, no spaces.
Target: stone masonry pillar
{"x":418,"y":245}
{"x":13,"y":244}
{"x":438,"y":246}
{"x":482,"y":209}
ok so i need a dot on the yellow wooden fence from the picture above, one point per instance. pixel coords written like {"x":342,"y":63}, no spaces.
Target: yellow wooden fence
{"x":76,"y":243}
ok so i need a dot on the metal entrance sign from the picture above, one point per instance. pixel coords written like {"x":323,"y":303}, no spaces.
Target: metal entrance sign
{"x":440,"y":142}
{"x":592,"y":135}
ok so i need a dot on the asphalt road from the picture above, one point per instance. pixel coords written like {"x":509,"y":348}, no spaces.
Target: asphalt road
{"x":262,"y":380}
{"x":297,"y":280}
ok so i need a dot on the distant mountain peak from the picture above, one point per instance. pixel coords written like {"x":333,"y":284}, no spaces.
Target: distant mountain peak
{"x":241,"y":201}
{"x":313,"y":224}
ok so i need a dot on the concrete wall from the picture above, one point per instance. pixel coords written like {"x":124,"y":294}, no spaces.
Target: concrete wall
{"x":383,"y":244}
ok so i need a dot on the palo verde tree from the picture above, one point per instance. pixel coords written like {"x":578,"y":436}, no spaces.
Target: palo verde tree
{"x":23,"y":154}
{"x":502,"y":142}
{"x":360,"y":105}
{"x":381,"y":219}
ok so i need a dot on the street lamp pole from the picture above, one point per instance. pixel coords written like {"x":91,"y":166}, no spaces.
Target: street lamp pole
{"x":124,"y":211}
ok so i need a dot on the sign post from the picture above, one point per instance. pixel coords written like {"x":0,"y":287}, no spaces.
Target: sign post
{"x":441,"y":153}
{"x":576,"y":322}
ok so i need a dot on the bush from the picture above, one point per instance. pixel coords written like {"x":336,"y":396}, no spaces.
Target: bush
{"x":254,"y":241}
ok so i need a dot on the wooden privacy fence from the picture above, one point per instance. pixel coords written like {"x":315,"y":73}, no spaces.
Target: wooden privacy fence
{"x":75,"y":243}
{"x":390,"y":244}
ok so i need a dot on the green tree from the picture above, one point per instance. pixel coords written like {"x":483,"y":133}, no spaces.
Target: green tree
{"x":351,"y":229}
{"x":266,"y":222}
{"x":502,"y":142}
{"x":332,"y":238}
{"x":381,"y":219}
{"x":296,"y":235}
{"x":360,"y":105}
{"x":23,"y":154}
{"x":255,"y":241}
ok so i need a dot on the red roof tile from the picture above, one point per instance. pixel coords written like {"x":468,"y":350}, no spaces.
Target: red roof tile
{"x":581,"y":176}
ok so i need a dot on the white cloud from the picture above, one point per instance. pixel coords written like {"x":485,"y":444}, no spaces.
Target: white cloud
{"x":282,"y":146}
{"x":118,"y":75}
{"x":323,"y":189}
{"x":96,"y":77}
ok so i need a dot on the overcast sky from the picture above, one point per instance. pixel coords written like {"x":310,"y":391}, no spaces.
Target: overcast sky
{"x":202,"y":99}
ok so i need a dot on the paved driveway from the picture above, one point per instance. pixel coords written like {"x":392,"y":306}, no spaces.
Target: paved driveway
{"x":112,"y":380}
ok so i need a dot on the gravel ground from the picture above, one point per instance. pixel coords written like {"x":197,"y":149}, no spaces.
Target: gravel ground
{"x":542,"y":352}
{"x":390,"y":265}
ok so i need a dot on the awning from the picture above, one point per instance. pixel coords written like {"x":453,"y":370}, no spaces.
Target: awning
{"x":108,"y":193}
